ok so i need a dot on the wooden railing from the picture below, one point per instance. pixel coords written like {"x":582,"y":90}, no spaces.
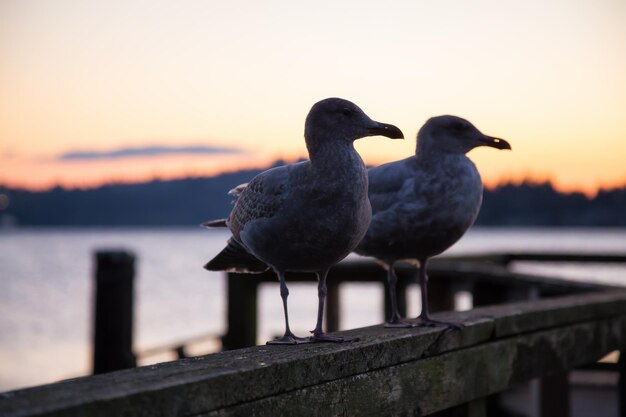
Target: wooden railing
{"x":417,"y":371}
{"x":486,"y":277}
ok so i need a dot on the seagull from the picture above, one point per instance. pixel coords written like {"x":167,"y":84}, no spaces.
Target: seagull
{"x":423,"y":204}
{"x":307,"y":216}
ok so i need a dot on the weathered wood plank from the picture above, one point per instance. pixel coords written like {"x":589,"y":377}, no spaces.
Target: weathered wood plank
{"x":523,"y":317}
{"x":192,"y":385}
{"x":469,"y":272}
{"x":425,"y":386}
{"x":551,"y":334}
{"x":491,"y":284}
{"x":454,"y":269}
{"x":505,"y":258}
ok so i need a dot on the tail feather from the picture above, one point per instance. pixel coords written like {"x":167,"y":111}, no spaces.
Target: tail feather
{"x":215,"y":223}
{"x":235,"y":258}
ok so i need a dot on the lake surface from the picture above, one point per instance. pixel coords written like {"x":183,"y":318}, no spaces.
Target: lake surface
{"x":46,"y":290}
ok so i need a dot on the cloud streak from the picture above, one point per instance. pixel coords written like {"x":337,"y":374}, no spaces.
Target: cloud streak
{"x":147,"y":151}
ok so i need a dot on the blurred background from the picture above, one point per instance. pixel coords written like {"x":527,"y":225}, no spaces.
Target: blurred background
{"x":124,"y":124}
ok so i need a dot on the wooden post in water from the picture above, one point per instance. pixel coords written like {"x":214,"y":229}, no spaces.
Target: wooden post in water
{"x":621,"y":387}
{"x":113,"y":324}
{"x":554,"y":396}
{"x":475,"y":408}
{"x":241,"y":312}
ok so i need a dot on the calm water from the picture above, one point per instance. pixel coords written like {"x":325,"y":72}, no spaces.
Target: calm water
{"x":46,"y":290}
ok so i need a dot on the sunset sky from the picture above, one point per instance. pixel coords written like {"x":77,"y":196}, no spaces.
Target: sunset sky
{"x":89,"y":89}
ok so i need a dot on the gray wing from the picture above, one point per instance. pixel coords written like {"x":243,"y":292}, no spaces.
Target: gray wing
{"x":263,"y":197}
{"x":396,"y":203}
{"x":235,"y":258}
{"x":390,"y":183}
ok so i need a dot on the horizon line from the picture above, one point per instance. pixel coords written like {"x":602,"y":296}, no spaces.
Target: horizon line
{"x":489,"y":185}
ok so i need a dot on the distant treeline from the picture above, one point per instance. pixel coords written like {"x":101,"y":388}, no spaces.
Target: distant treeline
{"x":540,"y":205}
{"x":195,"y":200}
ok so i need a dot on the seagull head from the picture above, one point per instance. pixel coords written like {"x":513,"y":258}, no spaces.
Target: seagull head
{"x":453,"y":134}
{"x":339,"y":119}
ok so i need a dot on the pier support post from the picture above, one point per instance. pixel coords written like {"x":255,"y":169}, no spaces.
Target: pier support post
{"x":440,"y":295}
{"x":241,"y":312}
{"x":554,"y":395}
{"x":474,"y":408}
{"x":621,"y":366}
{"x":113,"y":323}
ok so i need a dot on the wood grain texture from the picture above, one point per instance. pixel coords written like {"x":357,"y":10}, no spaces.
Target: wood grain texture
{"x":390,"y":372}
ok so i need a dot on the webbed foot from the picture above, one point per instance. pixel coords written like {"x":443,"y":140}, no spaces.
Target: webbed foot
{"x":289,"y":339}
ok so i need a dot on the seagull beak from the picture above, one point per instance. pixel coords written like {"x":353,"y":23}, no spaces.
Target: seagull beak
{"x":497,"y":143}
{"x":383,"y":129}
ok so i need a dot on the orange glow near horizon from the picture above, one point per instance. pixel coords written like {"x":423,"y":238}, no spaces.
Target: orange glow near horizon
{"x":90,"y":174}
{"x":44,"y":175}
{"x":548,"y":77}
